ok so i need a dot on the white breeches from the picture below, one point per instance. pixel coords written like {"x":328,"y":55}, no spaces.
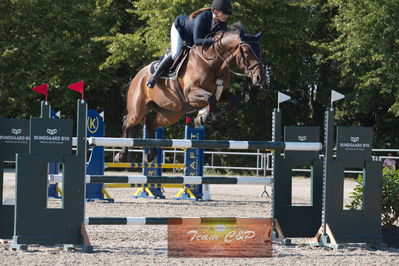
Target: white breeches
{"x":176,"y":40}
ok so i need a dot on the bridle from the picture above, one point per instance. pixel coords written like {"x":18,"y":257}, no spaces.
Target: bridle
{"x":248,"y":69}
{"x":221,"y":52}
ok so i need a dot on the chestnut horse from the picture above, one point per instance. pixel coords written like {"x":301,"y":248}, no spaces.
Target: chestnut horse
{"x":202,"y":81}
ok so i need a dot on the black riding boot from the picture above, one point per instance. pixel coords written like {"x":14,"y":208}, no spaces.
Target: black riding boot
{"x":162,"y":67}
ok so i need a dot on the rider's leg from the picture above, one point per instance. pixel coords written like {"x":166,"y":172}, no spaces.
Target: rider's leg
{"x":167,"y":61}
{"x":176,"y":42}
{"x":162,"y":67}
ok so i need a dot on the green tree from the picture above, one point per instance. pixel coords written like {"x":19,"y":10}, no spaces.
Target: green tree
{"x":51,"y":42}
{"x":366,"y":55}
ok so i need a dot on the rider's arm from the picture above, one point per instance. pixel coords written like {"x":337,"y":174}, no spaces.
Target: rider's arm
{"x":202,"y":27}
{"x":223,"y":26}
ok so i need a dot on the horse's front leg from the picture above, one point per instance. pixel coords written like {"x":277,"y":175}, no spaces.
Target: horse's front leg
{"x":203,"y":100}
{"x":202,"y":116}
{"x":232,"y":102}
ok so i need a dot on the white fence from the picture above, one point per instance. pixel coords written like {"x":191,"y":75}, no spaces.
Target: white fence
{"x":261,"y":164}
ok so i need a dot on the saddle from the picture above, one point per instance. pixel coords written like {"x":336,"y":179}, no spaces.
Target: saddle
{"x":174,"y":69}
{"x":172,"y":74}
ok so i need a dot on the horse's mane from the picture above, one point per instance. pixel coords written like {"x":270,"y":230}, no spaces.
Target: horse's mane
{"x":237,"y":26}
{"x":236,"y":30}
{"x":251,"y":40}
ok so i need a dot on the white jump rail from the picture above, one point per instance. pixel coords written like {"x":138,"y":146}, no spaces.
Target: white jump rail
{"x":211,"y":144}
{"x":184,"y":180}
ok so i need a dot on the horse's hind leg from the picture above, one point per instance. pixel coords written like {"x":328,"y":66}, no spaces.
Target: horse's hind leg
{"x":128,"y":131}
{"x":151,"y":125}
{"x":160,"y":118}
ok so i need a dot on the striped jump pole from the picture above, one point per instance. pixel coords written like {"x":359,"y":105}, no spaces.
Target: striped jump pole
{"x":160,"y":220}
{"x":189,"y":180}
{"x":145,"y":165}
{"x":143,"y":186}
{"x":206,"y":144}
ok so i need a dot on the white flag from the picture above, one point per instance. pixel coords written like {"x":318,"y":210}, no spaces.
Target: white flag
{"x":58,"y":114}
{"x":335,"y":96}
{"x":102,"y":115}
{"x":282,"y":97}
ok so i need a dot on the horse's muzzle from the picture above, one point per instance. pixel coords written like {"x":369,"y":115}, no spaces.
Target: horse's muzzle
{"x":258,"y":79}
{"x":258,"y":75}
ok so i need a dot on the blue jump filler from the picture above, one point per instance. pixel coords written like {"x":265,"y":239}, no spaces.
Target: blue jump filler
{"x":95,"y":166}
{"x":147,"y":192}
{"x":194,"y":165}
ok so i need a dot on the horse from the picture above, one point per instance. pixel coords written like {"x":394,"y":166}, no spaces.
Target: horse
{"x":202,"y":82}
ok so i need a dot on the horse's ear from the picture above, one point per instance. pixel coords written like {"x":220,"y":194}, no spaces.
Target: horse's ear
{"x":259,"y":34}
{"x":251,"y":38}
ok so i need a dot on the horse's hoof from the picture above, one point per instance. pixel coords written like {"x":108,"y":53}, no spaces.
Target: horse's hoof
{"x":198,"y":121}
{"x":216,"y":118}
{"x":119,"y":158}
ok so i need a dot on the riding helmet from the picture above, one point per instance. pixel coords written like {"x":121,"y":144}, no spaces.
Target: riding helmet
{"x":222,"y":5}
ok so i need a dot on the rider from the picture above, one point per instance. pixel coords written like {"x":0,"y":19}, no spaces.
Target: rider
{"x":194,"y":29}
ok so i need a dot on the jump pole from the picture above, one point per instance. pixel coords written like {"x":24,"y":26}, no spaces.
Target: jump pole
{"x":154,"y":220}
{"x":145,"y":165}
{"x":189,"y":180}
{"x":206,"y":144}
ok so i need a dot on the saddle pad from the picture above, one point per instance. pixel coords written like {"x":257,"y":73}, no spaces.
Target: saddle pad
{"x":172,"y":72}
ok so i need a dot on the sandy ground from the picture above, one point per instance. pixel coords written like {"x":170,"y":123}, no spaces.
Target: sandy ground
{"x":147,"y":245}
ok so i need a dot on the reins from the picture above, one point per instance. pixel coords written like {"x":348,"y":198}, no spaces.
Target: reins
{"x":226,"y":61}
{"x":206,"y":60}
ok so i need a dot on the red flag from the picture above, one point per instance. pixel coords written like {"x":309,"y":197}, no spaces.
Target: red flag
{"x":42,"y":89}
{"x":78,"y":86}
{"x":188,"y":120}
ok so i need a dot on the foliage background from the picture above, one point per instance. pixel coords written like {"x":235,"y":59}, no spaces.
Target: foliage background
{"x":309,"y":47}
{"x":389,"y":198}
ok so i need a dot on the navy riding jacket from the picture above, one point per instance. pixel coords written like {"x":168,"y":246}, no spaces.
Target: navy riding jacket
{"x":195,"y":31}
